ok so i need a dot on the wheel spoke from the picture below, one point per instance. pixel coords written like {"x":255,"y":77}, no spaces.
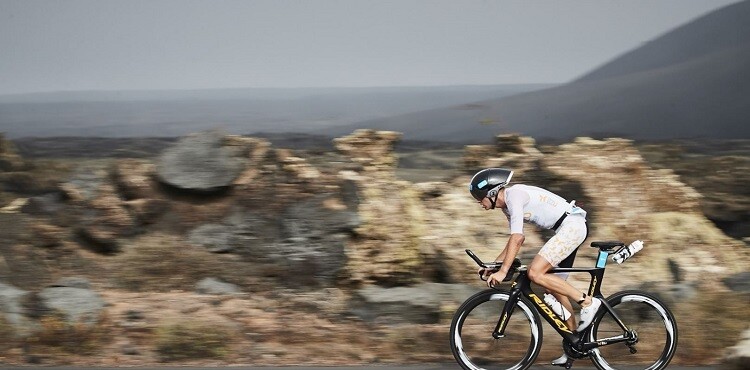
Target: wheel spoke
{"x":653,"y":324}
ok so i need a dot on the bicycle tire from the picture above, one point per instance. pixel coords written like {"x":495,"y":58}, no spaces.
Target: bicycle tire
{"x":471,"y":330}
{"x":650,"y":318}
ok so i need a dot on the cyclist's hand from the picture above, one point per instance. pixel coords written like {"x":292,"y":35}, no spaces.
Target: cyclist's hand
{"x":496,"y":278}
{"x":483,"y":272}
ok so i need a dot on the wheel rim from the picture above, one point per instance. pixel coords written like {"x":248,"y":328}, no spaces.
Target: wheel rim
{"x":476,"y":349}
{"x":656,"y":335}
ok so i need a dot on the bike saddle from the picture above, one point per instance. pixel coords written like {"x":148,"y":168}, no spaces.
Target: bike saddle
{"x":607,"y":245}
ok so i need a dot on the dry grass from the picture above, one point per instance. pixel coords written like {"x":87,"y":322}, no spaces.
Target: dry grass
{"x":58,"y":335}
{"x":708,"y":324}
{"x":415,"y":343}
{"x":7,"y":333}
{"x":161,"y":263}
{"x":37,"y":177}
{"x":192,"y":340}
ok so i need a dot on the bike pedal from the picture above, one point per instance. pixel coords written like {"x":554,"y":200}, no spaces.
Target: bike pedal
{"x":568,"y":364}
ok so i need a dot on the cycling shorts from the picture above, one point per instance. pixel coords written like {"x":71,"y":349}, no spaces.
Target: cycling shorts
{"x":560,"y":250}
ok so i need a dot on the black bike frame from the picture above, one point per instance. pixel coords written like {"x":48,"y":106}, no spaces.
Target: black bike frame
{"x":522,"y":285}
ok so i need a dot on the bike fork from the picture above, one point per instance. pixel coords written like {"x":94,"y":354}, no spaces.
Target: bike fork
{"x":510,"y":305}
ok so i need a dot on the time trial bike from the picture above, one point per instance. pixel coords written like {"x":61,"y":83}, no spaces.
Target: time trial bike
{"x":502,"y":328}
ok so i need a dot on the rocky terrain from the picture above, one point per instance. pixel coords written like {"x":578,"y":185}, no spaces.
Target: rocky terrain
{"x":224,"y":249}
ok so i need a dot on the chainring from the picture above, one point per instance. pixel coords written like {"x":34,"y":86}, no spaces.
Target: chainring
{"x":572,"y":352}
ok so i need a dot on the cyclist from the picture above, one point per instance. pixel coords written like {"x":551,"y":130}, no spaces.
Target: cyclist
{"x":525,"y":203}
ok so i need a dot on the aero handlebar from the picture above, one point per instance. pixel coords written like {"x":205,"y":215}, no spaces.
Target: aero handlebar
{"x":494,"y":266}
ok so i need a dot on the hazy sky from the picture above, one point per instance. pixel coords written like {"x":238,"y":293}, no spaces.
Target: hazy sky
{"x":180,"y":44}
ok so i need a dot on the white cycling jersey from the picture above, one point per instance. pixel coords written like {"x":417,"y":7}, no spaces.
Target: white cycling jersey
{"x":525,"y":203}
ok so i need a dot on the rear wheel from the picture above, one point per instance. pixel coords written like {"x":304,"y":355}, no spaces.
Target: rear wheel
{"x":473,"y":345}
{"x":652,"y":322}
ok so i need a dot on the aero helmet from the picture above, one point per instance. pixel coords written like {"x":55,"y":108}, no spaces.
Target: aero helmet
{"x":488,"y":181}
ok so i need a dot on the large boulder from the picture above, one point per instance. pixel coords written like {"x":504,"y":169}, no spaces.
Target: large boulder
{"x":371,"y":149}
{"x":242,"y":232}
{"x":628,"y":200}
{"x":78,"y":305}
{"x":104,"y":220}
{"x":99,"y":213}
{"x":424,"y":303}
{"x":216,"y":287}
{"x":217,"y":238}
{"x":298,"y":263}
{"x":84,"y":183}
{"x":313,"y":236}
{"x":73,"y":282}
{"x":718,"y":173}
{"x":619,"y":181}
{"x":387,"y":249}
{"x":50,"y":204}
{"x":303,"y":245}
{"x":727,"y":179}
{"x":317,"y":218}
{"x":201,"y":163}
{"x":739,"y":282}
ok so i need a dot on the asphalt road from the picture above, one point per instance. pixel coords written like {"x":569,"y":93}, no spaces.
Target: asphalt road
{"x":584,"y":365}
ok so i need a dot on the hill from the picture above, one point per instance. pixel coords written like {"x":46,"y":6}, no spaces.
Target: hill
{"x":692,"y":82}
{"x":720,"y":30}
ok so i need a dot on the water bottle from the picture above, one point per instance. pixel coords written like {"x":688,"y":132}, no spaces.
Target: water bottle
{"x":556,"y":306}
{"x":626,"y":252}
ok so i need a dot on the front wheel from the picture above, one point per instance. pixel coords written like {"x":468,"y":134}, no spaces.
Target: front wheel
{"x":473,"y":345}
{"x":649,"y":319}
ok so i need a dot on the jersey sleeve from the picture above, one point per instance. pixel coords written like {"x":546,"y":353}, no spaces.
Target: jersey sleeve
{"x":515,"y":199}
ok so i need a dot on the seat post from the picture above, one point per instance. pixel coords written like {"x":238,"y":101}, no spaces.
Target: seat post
{"x":605,"y":247}
{"x":602,"y":260}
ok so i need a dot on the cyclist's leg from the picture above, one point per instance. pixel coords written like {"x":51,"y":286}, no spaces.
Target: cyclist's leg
{"x":568,"y":238}
{"x":567,"y":262}
{"x":570,"y":320}
{"x":564,"y":300}
{"x":553,"y":283}
{"x":559,"y":288}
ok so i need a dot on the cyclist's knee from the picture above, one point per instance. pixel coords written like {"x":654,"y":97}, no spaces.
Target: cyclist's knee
{"x":536,"y":273}
{"x":539,"y":268}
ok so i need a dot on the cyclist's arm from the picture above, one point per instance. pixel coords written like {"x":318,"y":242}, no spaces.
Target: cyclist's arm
{"x":510,"y":251}
{"x":515,"y":199}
